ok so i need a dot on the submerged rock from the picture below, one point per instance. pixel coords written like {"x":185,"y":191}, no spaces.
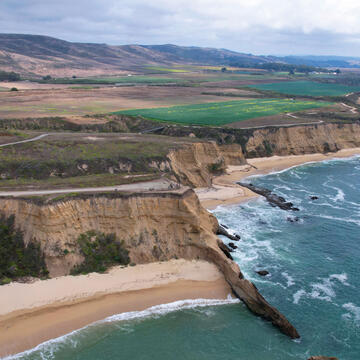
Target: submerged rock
{"x":263,"y":272}
{"x":322,"y":358}
{"x":292,"y":219}
{"x":273,"y":199}
{"x":314,"y":198}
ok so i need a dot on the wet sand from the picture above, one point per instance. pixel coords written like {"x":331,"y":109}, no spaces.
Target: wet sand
{"x":55,"y":307}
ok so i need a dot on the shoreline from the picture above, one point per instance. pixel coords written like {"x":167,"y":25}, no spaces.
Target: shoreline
{"x":225,"y":191}
{"x":56,"y":307}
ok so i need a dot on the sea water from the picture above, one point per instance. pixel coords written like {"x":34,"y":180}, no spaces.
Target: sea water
{"x":313,"y":261}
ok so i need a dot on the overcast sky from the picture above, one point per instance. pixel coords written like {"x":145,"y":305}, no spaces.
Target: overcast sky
{"x":321,"y":27}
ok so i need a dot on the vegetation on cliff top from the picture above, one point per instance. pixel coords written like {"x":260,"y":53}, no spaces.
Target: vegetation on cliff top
{"x":17,"y":259}
{"x":222,"y":113}
{"x":100,"y":251}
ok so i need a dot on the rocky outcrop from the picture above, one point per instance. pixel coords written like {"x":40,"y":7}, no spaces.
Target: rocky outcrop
{"x":272,"y":199}
{"x":153,"y":226}
{"x":305,"y":139}
{"x":196,"y":164}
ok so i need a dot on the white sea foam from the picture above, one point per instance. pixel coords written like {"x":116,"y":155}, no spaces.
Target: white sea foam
{"x":48,"y":348}
{"x":298,"y":295}
{"x":341,"y":277}
{"x":346,"y":220}
{"x":167,"y":308}
{"x":340,"y":196}
{"x":353,"y":312}
{"x":289,"y":279}
{"x":325,"y":289}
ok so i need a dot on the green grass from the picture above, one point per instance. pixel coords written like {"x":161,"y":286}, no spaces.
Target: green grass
{"x":163,"y":69}
{"x":115,"y":80}
{"x":94,"y":180}
{"x":221,"y":113}
{"x":309,"y":88}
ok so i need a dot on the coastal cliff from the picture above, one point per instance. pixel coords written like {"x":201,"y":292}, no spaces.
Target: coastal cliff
{"x":153,"y":226}
{"x":195,"y":164}
{"x":307,"y":139}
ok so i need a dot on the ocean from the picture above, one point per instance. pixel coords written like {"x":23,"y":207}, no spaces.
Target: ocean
{"x":313,"y":261}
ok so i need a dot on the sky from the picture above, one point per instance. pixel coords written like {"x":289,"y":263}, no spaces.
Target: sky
{"x":277,"y":27}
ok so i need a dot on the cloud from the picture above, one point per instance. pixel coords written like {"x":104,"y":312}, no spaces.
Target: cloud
{"x":259,"y":26}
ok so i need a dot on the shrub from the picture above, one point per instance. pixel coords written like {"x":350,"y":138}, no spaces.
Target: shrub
{"x":100,"y":251}
{"x":14,"y":89}
{"x":16,"y":259}
{"x":216,"y":168}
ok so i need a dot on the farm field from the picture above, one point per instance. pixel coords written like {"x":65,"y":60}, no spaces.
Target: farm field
{"x":142,"y":79}
{"x":307,"y":88}
{"x":222,"y":113}
{"x":80,"y":101}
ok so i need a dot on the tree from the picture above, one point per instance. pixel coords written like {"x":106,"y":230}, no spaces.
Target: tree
{"x":224,"y":69}
{"x":291,"y":72}
{"x":47,"y":77}
{"x":9,"y":76}
{"x":338,"y":71}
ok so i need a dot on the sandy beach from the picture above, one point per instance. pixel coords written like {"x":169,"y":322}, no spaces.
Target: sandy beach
{"x":225,"y":191}
{"x":55,"y":307}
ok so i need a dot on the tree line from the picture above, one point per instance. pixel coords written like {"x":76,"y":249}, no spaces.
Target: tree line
{"x":9,"y":76}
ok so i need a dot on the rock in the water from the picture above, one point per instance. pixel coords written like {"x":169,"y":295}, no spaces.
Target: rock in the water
{"x":292,"y":219}
{"x":263,"y":272}
{"x":224,"y":226}
{"x":237,"y":236}
{"x":322,"y":358}
{"x":222,"y":231}
{"x":225,"y":250}
{"x":273,"y":199}
{"x":233,"y":246}
{"x":314,"y":198}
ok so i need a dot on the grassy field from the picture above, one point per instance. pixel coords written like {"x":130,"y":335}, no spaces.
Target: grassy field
{"x":115,"y":80}
{"x":221,"y":113}
{"x":307,"y":88}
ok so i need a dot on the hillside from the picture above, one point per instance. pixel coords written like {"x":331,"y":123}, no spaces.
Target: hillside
{"x":42,"y":55}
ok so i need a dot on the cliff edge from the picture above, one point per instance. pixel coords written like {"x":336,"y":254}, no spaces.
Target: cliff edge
{"x":154,"y":227}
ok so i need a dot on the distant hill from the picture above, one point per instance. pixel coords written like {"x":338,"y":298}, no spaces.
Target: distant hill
{"x":43,"y":55}
{"x":322,"y":61}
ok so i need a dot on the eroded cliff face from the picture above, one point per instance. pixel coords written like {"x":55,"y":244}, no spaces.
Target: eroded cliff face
{"x":196,"y":164}
{"x":307,"y":139}
{"x":154,"y":226}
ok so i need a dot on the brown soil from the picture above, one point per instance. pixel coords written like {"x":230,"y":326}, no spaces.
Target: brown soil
{"x":42,"y":102}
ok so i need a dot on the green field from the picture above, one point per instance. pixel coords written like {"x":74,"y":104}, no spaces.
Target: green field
{"x":221,"y":113}
{"x":141,"y":79}
{"x":307,"y":88}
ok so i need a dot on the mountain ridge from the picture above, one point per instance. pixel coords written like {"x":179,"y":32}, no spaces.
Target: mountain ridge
{"x":42,"y":55}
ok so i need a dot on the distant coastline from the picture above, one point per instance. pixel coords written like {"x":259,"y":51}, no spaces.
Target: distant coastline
{"x":225,"y":191}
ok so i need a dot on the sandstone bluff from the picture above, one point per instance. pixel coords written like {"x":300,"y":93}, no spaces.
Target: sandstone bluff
{"x":158,"y":226}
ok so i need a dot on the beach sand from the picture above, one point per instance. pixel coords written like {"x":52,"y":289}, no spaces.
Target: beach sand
{"x":33,"y":313}
{"x":225,"y":191}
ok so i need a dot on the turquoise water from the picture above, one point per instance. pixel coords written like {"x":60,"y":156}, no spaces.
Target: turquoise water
{"x":314,"y":280}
